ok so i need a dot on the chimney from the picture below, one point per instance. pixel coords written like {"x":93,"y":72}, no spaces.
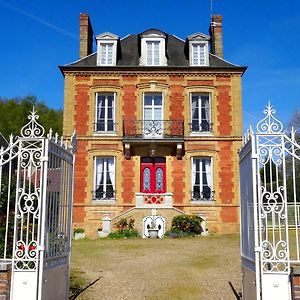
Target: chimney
{"x":216,"y":35}
{"x":86,"y":35}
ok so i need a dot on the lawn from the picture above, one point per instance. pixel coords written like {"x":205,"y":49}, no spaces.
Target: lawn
{"x":181,"y":268}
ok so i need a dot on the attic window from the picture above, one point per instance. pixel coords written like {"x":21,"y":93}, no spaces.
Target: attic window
{"x":198,"y":49}
{"x":153,"y":55}
{"x":106,"y":53}
{"x":199,"y":55}
{"x":106,"y":49}
{"x":153,"y":48}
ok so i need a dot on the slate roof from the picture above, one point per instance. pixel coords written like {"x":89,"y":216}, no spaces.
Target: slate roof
{"x":129,"y":50}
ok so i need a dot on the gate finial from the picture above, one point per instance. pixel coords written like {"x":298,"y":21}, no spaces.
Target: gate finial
{"x":269,"y":124}
{"x":32,"y":129}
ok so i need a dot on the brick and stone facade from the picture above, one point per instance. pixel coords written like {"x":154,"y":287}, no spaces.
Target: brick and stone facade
{"x":222,"y":81}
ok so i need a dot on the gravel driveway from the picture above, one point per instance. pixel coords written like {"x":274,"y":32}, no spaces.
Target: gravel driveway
{"x":188,"y":268}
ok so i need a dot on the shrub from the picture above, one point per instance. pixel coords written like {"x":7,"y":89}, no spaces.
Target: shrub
{"x":123,"y":224}
{"x":187,"y":224}
{"x":79,"y":230}
{"x":125,"y":229}
{"x":126,"y":233}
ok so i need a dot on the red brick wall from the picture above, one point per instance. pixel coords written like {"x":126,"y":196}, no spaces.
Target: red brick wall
{"x":178,"y":183}
{"x":224,"y":106}
{"x":128,"y":177}
{"x":296,"y":286}
{"x":176,"y":99}
{"x":80,"y":181}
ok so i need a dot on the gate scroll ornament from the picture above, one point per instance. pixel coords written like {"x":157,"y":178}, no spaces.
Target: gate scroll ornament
{"x":42,"y":169}
{"x":270,"y":208}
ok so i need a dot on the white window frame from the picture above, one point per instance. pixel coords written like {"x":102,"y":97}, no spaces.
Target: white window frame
{"x":162,"y":49}
{"x":105,"y":60}
{"x":104,"y":179}
{"x":201,"y":179}
{"x":153,"y":106}
{"x":200,"y":113}
{"x":105,"y":131}
{"x":206,"y":56}
{"x":111,"y":42}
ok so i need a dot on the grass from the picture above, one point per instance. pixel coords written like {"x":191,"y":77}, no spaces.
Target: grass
{"x":181,"y":268}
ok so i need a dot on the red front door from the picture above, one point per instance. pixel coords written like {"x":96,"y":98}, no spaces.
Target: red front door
{"x":153,"y":175}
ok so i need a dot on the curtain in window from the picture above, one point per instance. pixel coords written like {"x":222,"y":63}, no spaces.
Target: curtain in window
{"x":208,"y":170}
{"x":111,"y":171}
{"x":100,"y":112}
{"x":195,"y":114}
{"x":194,"y":172}
{"x":99,"y":172}
{"x":206,"y":117}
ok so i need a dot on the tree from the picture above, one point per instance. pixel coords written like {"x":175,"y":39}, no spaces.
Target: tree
{"x":14,"y":113}
{"x":295,"y":120}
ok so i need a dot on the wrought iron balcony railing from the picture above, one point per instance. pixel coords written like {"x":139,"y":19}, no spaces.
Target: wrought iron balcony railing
{"x":153,"y":129}
{"x":104,"y":196}
{"x":102,"y":126}
{"x":203,"y":127}
{"x":203,"y":196}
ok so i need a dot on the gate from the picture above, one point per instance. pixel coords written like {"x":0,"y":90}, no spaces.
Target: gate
{"x":270,"y":220}
{"x":36,"y":192}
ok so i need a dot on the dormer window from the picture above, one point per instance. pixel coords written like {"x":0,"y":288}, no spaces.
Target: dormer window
{"x":198,"y":49}
{"x":106,"y":49}
{"x":153,"y":53}
{"x":153,"y":48}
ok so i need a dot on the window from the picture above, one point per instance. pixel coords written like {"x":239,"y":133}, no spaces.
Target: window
{"x":198,"y":49}
{"x":153,"y":53}
{"x":106,"y":54}
{"x":107,"y":49}
{"x":104,"y":182}
{"x":153,"y":48}
{"x":105,"y":112}
{"x":202,"y":180}
{"x":153,"y":115}
{"x":200,"y":112}
{"x":199,"y":55}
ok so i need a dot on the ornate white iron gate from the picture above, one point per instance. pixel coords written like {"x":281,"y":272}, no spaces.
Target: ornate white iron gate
{"x":36,"y":184}
{"x":270,"y":223}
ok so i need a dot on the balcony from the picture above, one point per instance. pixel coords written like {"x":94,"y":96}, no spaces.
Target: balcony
{"x":153,"y":134}
{"x":153,"y":130}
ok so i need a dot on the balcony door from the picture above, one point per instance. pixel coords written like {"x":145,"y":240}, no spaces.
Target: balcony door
{"x":153,"y":175}
{"x":153,"y":115}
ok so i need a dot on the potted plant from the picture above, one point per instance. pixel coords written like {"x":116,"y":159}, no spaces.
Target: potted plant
{"x":79,"y":233}
{"x":152,"y":230}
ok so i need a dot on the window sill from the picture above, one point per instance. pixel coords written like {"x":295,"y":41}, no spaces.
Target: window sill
{"x":203,"y":202}
{"x":111,"y":133}
{"x":201,"y":133}
{"x":104,"y":202}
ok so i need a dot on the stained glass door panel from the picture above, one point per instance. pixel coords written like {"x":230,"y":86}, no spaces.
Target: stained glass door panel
{"x":153,"y":175}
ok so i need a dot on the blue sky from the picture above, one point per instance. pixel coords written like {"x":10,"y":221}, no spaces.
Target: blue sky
{"x":39,"y":35}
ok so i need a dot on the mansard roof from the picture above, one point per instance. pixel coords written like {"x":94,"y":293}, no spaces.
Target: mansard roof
{"x":129,"y":52}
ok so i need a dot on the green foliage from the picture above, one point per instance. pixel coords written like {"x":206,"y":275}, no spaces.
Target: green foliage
{"x":125,"y":229}
{"x":79,"y":230}
{"x":187,"y":224}
{"x":123,"y":224}
{"x":3,"y":213}
{"x":14,"y":113}
{"x":124,"y":233}
{"x":77,"y":282}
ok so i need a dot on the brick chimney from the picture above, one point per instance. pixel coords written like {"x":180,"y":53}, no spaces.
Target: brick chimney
{"x":86,"y":35}
{"x":216,"y":35}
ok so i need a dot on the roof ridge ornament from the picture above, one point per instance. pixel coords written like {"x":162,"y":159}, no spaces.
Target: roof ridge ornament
{"x":269,"y":124}
{"x":32,"y":129}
